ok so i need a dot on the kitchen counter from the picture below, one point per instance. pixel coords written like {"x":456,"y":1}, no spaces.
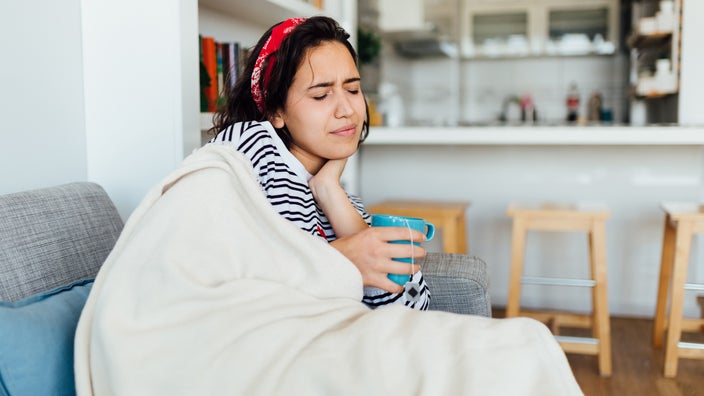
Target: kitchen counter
{"x":631,"y":170}
{"x":537,"y":135}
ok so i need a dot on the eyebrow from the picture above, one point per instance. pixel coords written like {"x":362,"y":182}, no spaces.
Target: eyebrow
{"x":330,"y":84}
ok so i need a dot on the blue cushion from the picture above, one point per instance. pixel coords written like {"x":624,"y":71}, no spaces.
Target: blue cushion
{"x":36,"y":341}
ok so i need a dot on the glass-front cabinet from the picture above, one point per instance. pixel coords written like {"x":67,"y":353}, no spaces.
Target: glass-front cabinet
{"x":499,"y":33}
{"x":509,"y":28}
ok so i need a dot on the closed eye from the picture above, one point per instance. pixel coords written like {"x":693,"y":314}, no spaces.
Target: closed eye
{"x":352,"y":85}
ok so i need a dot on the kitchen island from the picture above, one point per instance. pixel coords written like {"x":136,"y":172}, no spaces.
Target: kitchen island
{"x":630,"y":169}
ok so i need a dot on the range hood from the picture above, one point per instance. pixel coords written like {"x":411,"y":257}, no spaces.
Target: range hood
{"x":404,"y":24}
{"x":425,"y":42}
{"x":426,"y":47}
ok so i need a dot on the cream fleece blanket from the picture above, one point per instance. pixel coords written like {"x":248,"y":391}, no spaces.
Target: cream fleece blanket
{"x":209,"y":292}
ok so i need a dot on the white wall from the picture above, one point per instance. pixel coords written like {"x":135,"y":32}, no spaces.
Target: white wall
{"x":99,"y":91}
{"x":135,"y":98}
{"x":691,"y":64}
{"x":43,"y":133}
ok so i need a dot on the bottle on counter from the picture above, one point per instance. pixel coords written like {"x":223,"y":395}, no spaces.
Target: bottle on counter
{"x":595,"y":107}
{"x":528,"y":113}
{"x":573,"y":103}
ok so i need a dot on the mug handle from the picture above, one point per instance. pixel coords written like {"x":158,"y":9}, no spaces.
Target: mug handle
{"x":430,"y":233}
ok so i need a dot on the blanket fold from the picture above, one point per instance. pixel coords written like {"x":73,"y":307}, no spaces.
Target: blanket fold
{"x":209,"y":291}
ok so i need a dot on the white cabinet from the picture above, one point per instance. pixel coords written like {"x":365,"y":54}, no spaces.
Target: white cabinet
{"x":499,"y":33}
{"x":539,"y":27}
{"x":401,"y":15}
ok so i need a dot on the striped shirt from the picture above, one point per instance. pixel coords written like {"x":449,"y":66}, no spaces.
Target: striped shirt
{"x":284,"y":181}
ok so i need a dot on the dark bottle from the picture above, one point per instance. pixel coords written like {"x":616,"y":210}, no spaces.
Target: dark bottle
{"x":573,"y":103}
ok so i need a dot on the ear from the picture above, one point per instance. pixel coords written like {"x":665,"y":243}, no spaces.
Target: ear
{"x":277,"y":120}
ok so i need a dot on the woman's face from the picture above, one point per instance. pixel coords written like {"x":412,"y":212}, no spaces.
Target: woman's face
{"x":325,"y":109}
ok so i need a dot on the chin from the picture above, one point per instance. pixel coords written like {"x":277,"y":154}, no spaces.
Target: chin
{"x":342,"y":154}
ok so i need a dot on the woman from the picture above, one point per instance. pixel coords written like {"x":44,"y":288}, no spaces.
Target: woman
{"x":298,"y":113}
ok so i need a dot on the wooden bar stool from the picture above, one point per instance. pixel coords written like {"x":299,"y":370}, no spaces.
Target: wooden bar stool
{"x":590,"y":219}
{"x":682,"y":222}
{"x":446,"y":216}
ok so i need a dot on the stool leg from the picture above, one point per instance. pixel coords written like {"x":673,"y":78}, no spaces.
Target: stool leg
{"x":518,"y":243}
{"x":666,"y":262}
{"x":449,"y":236}
{"x":461,"y":235}
{"x":601,"y":324}
{"x":683,"y":242}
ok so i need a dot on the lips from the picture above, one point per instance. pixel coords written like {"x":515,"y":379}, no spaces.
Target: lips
{"x":346,"y":131}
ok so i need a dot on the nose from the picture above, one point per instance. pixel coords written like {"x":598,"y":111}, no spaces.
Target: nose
{"x":344,"y":106}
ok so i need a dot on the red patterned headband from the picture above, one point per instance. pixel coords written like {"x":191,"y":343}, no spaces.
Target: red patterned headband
{"x":269,"y":49}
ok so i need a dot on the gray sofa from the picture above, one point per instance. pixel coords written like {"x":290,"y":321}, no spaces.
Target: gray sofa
{"x":58,"y":236}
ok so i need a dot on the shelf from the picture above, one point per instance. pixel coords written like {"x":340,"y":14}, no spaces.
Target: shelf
{"x":650,"y":40}
{"x":264,"y":12}
{"x":656,"y":95}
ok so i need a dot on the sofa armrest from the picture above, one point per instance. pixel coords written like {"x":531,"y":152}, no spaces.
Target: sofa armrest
{"x":53,"y":236}
{"x":458,"y":283}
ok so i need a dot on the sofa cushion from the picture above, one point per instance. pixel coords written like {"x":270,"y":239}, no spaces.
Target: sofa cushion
{"x":36,"y":341}
{"x":54,"y":236}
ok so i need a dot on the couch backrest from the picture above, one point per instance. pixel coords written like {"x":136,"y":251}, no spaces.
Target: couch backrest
{"x":53,"y":236}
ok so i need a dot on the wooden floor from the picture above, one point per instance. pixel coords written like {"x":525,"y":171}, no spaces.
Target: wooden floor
{"x":637,"y":367}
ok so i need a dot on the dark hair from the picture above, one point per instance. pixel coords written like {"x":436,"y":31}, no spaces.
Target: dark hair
{"x":239,"y":104}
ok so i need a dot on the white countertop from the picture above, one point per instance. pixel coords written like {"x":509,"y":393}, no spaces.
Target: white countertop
{"x":537,"y":135}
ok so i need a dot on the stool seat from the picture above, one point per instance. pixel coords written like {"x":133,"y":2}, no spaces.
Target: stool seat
{"x":682,"y":221}
{"x":556,"y":217}
{"x":564,"y":212}
{"x":448,"y":216}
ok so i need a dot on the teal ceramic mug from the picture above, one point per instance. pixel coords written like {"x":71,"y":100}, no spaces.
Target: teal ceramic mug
{"x":428,"y":229}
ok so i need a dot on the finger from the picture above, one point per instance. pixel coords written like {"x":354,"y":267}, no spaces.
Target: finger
{"x":336,"y":166}
{"x":404,"y":250}
{"x":390,"y":286}
{"x":381,"y":281}
{"x":397,"y":267}
{"x":400,"y":234}
{"x":401,"y":268}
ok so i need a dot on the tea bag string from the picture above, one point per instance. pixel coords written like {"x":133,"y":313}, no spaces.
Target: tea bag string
{"x":410,"y":238}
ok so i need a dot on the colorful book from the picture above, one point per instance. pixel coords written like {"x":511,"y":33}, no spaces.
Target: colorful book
{"x":221,"y":85}
{"x":210,"y":61}
{"x":226,"y":65}
{"x":204,"y":78}
{"x":221,"y":64}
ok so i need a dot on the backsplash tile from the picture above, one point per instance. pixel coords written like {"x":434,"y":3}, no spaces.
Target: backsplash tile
{"x":443,"y":91}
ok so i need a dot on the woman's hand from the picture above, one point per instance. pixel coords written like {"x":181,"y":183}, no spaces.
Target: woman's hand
{"x":329,"y":174}
{"x":333,"y":200}
{"x":367,"y":247}
{"x":371,"y":253}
